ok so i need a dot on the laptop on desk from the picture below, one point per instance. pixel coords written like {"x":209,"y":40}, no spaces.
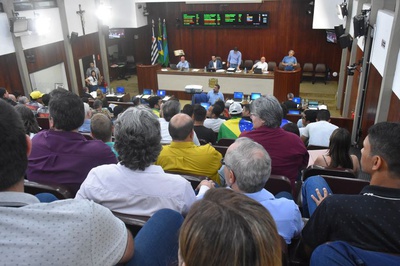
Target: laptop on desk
{"x":257,"y":71}
{"x":238,"y":96}
{"x":173,"y":66}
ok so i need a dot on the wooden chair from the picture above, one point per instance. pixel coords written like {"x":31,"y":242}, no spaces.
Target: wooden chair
{"x":43,"y":122}
{"x":308,"y":71}
{"x":313,"y":170}
{"x":221,"y":149}
{"x":225,"y":142}
{"x":278,"y":183}
{"x":271,"y":66}
{"x":320,"y":72}
{"x":133,"y":222}
{"x":60,"y":191}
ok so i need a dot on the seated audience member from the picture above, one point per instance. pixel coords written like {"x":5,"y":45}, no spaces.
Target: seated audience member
{"x":284,"y":113}
{"x":228,"y":228}
{"x":214,"y":121}
{"x":215,"y":95}
{"x":338,"y":155}
{"x":23,"y":100}
{"x":367,"y":222}
{"x":183,"y":64}
{"x":101,"y":128}
{"x":292,"y":127}
{"x":101,"y":96}
{"x":117,"y":110}
{"x":86,"y":93}
{"x":288,"y":154}
{"x":12,"y":99}
{"x":214,"y":63}
{"x":232,"y":128}
{"x":85,"y":128}
{"x":61,"y":155}
{"x":135,"y":185}
{"x":44,"y":110}
{"x":247,"y":169}
{"x":246,"y":112}
{"x":4,"y":95}
{"x":98,"y":108}
{"x":307,"y":117}
{"x":183,"y":156}
{"x":290,"y":104}
{"x":289,"y":61}
{"x":188,"y":109}
{"x":168,"y":110}
{"x":199,"y":115}
{"x":36,"y":101}
{"x":225,"y":111}
{"x":261,"y":65}
{"x":67,"y":232}
{"x":318,"y":133}
{"x":29,"y":120}
{"x":155,"y":104}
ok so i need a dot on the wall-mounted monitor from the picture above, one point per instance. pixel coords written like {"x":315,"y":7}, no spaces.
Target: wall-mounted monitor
{"x":225,"y":19}
{"x":116,"y":33}
{"x":331,"y":36}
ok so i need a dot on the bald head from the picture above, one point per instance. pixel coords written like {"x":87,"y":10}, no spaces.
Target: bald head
{"x":263,"y":59}
{"x":181,"y":127}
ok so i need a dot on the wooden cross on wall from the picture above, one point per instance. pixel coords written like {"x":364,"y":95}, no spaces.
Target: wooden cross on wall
{"x":80,"y":12}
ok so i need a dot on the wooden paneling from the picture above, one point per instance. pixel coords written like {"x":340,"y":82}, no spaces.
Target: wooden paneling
{"x":9,"y":77}
{"x":45,"y":56}
{"x":371,"y":101}
{"x":147,"y":77}
{"x":286,"y":82}
{"x":394,"y":114}
{"x":273,"y":42}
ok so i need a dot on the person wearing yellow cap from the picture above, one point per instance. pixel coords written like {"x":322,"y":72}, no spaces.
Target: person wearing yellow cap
{"x":36,"y":101}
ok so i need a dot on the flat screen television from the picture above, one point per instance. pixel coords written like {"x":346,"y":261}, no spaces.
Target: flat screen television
{"x":331,"y":36}
{"x":255,"y":95}
{"x":116,"y":33}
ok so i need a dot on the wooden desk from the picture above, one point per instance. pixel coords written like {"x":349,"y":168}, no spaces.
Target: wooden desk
{"x":175,"y":81}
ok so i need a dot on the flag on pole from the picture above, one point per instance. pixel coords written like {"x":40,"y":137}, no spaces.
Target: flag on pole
{"x":159,"y":44}
{"x":154,"y":49}
{"x":165,"y":45}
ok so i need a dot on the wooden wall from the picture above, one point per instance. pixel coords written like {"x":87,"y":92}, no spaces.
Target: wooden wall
{"x":9,"y":77}
{"x":290,"y":28}
{"x":394,"y":114}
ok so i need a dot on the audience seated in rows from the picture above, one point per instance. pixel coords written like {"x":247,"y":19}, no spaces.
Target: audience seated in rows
{"x":67,"y":232}
{"x":183,"y":156}
{"x":338,"y":155}
{"x":213,"y":120}
{"x":44,"y":110}
{"x":308,"y":116}
{"x":228,"y":228}
{"x":232,"y":128}
{"x":318,"y":133}
{"x":98,"y":108}
{"x":36,"y":101}
{"x":368,"y":223}
{"x":61,"y":155}
{"x":288,"y":153}
{"x":168,"y":110}
{"x":85,"y":128}
{"x":29,"y":120}
{"x":247,"y":169}
{"x":101,"y":128}
{"x":135,"y":185}
{"x":206,"y":134}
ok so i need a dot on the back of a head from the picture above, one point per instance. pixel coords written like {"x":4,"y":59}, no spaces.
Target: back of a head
{"x":28,"y":118}
{"x":324,"y":115}
{"x":311,"y":115}
{"x":180,"y":126}
{"x":66,"y":110}
{"x":153,"y":101}
{"x":290,"y":95}
{"x":199,"y":113}
{"x":117,"y":110}
{"x":217,"y":110}
{"x":101,"y":127}
{"x":13,"y":147}
{"x":97,"y":104}
{"x":229,"y":228}
{"x":188,"y":109}
{"x":23,"y":100}
{"x":250,"y":163}
{"x":220,"y":103}
{"x":170,"y":108}
{"x":339,"y":147}
{"x":46,"y":99}
{"x":137,"y":137}
{"x":291,"y":127}
{"x":384,"y":141}
{"x":268,"y":109}
{"x":2,"y":92}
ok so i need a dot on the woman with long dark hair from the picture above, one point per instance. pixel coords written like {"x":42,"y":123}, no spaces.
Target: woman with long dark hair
{"x":29,"y":120}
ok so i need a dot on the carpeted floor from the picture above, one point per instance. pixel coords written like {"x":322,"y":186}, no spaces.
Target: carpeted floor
{"x":324,"y":94}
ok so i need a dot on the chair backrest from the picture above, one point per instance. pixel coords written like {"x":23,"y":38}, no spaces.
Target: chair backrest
{"x":225,"y":142}
{"x":203,"y":142}
{"x":192,"y":178}
{"x":271,"y":66}
{"x":133,"y":222}
{"x":221,"y":149}
{"x":281,"y":66}
{"x":278,"y":183}
{"x":248,"y":64}
{"x":60,"y":191}
{"x":308,"y":67}
{"x":313,"y":170}
{"x":343,"y":185}
{"x":320,"y":68}
{"x":315,"y":147}
{"x":130,"y":59}
{"x":43,"y":122}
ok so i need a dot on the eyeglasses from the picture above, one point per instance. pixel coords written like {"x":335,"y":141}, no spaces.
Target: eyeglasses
{"x":224,"y":163}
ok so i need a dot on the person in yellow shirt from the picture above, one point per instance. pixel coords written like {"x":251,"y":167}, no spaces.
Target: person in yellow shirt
{"x":183,"y":156}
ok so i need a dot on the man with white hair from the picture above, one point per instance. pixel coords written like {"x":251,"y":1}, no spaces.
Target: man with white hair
{"x":85,"y":128}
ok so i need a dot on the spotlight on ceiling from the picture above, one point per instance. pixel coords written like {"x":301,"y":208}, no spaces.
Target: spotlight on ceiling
{"x":342,"y":10}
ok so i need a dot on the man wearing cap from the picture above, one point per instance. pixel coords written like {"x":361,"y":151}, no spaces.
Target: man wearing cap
{"x":36,"y":101}
{"x":232,"y":128}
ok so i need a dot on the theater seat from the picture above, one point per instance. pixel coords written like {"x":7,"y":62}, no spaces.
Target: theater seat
{"x":343,"y":185}
{"x":133,"y":222}
{"x":221,"y":149}
{"x":60,"y":191}
{"x":278,"y":183}
{"x":271,"y":66}
{"x":308,"y":71}
{"x":313,"y":170}
{"x":225,"y":142}
{"x":43,"y":122}
{"x":192,"y":178}
{"x":320,"y":72}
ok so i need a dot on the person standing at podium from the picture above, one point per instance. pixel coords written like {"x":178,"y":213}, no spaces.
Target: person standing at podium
{"x":183,"y":63}
{"x":234,"y":58}
{"x":214,"y":63}
{"x":289,"y":61}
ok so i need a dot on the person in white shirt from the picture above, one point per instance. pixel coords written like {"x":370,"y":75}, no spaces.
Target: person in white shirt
{"x":213,"y":121}
{"x":261,"y":64}
{"x":319,"y":133}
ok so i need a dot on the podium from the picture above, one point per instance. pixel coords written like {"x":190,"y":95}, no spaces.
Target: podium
{"x":286,"y":82}
{"x":147,"y":77}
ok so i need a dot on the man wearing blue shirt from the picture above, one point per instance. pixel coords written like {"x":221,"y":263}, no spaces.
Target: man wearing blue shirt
{"x":234,"y":58}
{"x":215,"y":95}
{"x":183,"y":63}
{"x":247,"y":169}
{"x":289,"y":61}
{"x":214,"y":63}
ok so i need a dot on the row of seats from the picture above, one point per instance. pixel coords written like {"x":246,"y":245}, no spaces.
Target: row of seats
{"x":319,"y":72}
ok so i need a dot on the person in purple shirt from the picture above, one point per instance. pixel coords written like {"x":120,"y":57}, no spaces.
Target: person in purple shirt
{"x":61,"y":155}
{"x":288,"y":153}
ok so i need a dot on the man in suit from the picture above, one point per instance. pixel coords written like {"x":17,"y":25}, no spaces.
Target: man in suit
{"x":214,"y":63}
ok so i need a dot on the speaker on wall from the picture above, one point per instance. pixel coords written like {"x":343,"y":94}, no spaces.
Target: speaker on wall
{"x":74,"y":36}
{"x":345,"y":40}
{"x":339,"y":30}
{"x":359,"y":26}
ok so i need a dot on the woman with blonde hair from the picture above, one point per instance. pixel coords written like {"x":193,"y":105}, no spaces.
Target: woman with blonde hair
{"x":229,"y":228}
